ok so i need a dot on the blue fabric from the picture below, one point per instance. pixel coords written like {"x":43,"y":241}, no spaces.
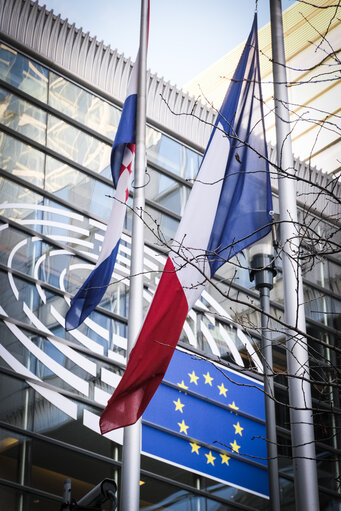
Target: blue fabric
{"x":126,"y":134}
{"x":93,"y":289}
{"x":243,"y":214}
{"x":91,"y":292}
{"x":212,"y":423}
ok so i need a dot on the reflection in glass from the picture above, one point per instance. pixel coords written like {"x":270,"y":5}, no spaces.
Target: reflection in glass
{"x":51,"y":464}
{"x":166,"y":191}
{"x":77,"y":145}
{"x":322,"y":308}
{"x":21,"y":160}
{"x":82,"y":106}
{"x":21,"y":116}
{"x":159,"y":227}
{"x":8,"y":496}
{"x":12,"y":394}
{"x":23,"y":73}
{"x":78,"y":188}
{"x":13,"y":195}
{"x":171,"y":155}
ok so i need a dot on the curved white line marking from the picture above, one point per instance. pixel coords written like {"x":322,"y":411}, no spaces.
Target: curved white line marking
{"x":83,"y":339}
{"x":240,"y":333}
{"x":231,"y":345}
{"x":210,"y":339}
{"x":91,"y":421}
{"x":110,"y":378}
{"x":82,"y":361}
{"x":69,"y":239}
{"x":64,"y":374}
{"x":10,"y":260}
{"x":57,"y":225}
{"x":250,"y":349}
{"x":38,"y":207}
{"x":190,"y":335}
{"x":64,"y":404}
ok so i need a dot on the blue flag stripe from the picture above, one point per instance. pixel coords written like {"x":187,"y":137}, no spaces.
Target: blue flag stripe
{"x":244,"y":211}
{"x":126,"y":134}
{"x":91,"y":292}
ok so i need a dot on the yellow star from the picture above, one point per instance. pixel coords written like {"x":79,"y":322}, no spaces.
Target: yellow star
{"x":208,"y":378}
{"x":210,"y":458}
{"x":224,"y":459}
{"x":178,"y":405}
{"x":195,"y":447}
{"x":183,"y":427}
{"x":193,"y":377}
{"x":234,"y":406}
{"x":182,"y":385}
{"x":238,"y":429}
{"x":222,"y":390}
{"x":235,"y":446}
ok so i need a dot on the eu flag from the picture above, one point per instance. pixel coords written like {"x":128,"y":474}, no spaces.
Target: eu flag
{"x":210,"y":420}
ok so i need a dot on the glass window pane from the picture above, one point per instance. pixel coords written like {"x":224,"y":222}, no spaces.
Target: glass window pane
{"x":322,"y":308}
{"x":21,"y":116}
{"x":23,"y":73}
{"x":21,"y":160}
{"x":12,"y":393}
{"x":12,"y":196}
{"x":51,"y":465}
{"x":78,"y":146}
{"x":159,"y":228}
{"x":170,"y":155}
{"x":77,"y":188}
{"x":8,"y":497}
{"x":334,"y":277}
{"x":166,"y":191}
{"x":82,"y":106}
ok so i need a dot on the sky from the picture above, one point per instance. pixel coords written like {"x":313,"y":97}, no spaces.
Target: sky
{"x":186,"y":36}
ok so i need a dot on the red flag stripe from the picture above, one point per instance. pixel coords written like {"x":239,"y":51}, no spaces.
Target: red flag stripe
{"x":151,"y":355}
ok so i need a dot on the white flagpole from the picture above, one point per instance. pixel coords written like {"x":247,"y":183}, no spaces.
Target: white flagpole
{"x":130,"y":475}
{"x":301,"y":417}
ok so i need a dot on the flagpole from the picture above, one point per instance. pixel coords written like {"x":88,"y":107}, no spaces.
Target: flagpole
{"x":301,"y":417}
{"x":130,"y":475}
{"x":263,"y":272}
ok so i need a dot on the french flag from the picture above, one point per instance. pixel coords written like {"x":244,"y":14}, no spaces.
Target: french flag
{"x":229,"y":208}
{"x":122,"y":163}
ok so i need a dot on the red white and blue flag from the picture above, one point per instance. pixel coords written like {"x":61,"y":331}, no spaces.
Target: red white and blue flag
{"x":122,"y":163}
{"x":229,"y":208}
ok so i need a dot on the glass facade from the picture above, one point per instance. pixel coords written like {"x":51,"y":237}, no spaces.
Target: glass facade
{"x":55,"y":197}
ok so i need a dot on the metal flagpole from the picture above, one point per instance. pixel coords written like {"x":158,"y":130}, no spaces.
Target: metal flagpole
{"x":263,"y":272}
{"x":301,"y":417}
{"x":130,"y":476}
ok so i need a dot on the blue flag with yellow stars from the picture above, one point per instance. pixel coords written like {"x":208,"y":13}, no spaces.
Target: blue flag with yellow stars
{"x":210,"y":420}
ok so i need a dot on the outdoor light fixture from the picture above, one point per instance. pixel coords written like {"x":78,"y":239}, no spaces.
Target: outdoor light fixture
{"x":261,"y":256}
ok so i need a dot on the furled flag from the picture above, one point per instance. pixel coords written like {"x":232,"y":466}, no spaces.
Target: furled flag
{"x":229,"y":208}
{"x":122,"y":161}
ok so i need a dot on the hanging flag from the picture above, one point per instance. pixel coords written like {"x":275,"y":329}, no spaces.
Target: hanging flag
{"x":229,"y":208}
{"x":210,"y":420}
{"x":121,"y":163}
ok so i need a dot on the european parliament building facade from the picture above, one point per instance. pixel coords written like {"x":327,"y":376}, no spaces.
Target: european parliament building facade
{"x":61,"y":95}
